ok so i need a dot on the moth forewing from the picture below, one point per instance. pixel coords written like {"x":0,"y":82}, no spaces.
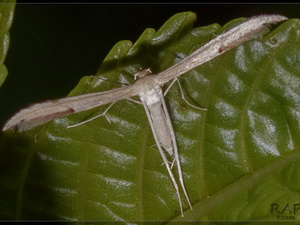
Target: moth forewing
{"x":41,"y":113}
{"x":237,"y":35}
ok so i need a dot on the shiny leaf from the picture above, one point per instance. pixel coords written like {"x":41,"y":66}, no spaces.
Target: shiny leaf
{"x":238,"y":157}
{"x":6,"y":18}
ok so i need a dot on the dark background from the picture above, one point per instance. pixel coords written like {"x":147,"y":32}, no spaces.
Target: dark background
{"x":53,"y":45}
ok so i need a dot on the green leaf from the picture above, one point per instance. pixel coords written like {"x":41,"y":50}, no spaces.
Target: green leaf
{"x":238,"y":158}
{"x":6,"y":18}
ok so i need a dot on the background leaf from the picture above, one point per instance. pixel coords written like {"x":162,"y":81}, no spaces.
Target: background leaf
{"x":238,"y":157}
{"x":6,"y":18}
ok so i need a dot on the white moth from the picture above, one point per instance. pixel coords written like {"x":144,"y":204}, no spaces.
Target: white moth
{"x":156,"y":110}
{"x":148,"y":88}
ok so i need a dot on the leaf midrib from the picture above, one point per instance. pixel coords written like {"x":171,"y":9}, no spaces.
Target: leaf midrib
{"x":207,"y":205}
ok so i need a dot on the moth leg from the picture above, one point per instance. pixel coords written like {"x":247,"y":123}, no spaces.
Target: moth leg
{"x":184,"y":99}
{"x":175,"y":149}
{"x":169,"y":87}
{"x":172,"y":163}
{"x":182,"y":95}
{"x":95,"y":117}
{"x":135,"y":101}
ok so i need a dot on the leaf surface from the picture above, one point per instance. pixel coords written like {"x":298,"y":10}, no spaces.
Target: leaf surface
{"x":6,"y":18}
{"x":238,"y":158}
